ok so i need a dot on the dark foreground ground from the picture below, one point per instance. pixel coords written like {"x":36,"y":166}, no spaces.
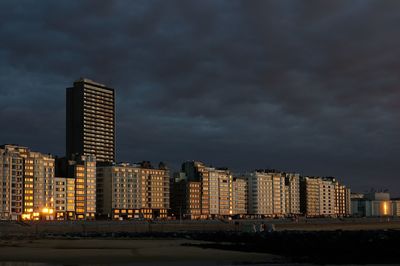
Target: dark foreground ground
{"x":366,"y":244}
{"x":322,"y":247}
{"x":143,"y":251}
{"x":220,"y":248}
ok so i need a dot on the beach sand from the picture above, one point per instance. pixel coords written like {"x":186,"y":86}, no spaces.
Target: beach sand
{"x":123,"y":252}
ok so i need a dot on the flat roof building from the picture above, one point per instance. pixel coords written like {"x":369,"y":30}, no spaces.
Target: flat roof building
{"x":202,"y":192}
{"x":26,"y":184}
{"x":127,"y":191}
{"x":374,"y":204}
{"x":199,"y":172}
{"x":318,"y":196}
{"x":82,"y":169}
{"x":220,"y":182}
{"x":64,"y":198}
{"x":90,"y":120}
{"x":239,"y":196}
{"x":185,"y":197}
{"x":11,"y":182}
{"x":292,"y":183}
{"x":266,"y":193}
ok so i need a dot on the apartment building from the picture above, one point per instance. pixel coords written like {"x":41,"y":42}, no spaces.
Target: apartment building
{"x":260,"y":199}
{"x":64,"y":198}
{"x":343,"y":200}
{"x":11,"y":182}
{"x":127,"y":191}
{"x":318,"y":196}
{"x":292,"y":193}
{"x":85,"y":187}
{"x":396,"y":207}
{"x":27,"y":183}
{"x":202,"y":192}
{"x":239,"y":196}
{"x":196,"y":171}
{"x":82,"y":169}
{"x":185,"y":199}
{"x":266,"y":193}
{"x":220,"y":187}
{"x":39,"y":179}
{"x":194,"y":199}
{"x":90,"y":119}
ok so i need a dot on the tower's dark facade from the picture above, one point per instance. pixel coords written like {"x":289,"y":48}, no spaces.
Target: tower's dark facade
{"x":91,"y":120}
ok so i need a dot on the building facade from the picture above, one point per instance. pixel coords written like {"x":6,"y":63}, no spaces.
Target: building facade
{"x":27,"y":184}
{"x":185,"y":199}
{"x":11,"y":182}
{"x":128,"y":191}
{"x":373,"y":204}
{"x":343,"y":200}
{"x":319,"y":197}
{"x":266,"y":193}
{"x":91,"y":120}
{"x":64,"y":198}
{"x":220,"y":187}
{"x":239,"y":196}
{"x":292,"y":183}
{"x":82,"y":169}
{"x":396,"y":207}
{"x":196,"y":171}
{"x":39,"y":179}
{"x":260,"y":200}
{"x":203,"y":192}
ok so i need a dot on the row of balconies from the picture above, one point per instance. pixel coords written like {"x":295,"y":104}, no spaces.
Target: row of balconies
{"x":98,"y":105}
{"x":93,"y":93}
{"x":90,"y":114}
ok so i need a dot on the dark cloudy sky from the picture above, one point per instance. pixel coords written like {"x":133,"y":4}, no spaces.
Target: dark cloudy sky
{"x":307,"y":86}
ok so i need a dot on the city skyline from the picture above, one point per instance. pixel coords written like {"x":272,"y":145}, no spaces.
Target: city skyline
{"x":215,"y":84}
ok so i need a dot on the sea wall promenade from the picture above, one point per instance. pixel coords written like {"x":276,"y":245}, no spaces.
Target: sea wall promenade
{"x":102,"y":228}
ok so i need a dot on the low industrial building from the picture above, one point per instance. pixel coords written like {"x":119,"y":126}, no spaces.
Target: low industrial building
{"x":374,"y":204}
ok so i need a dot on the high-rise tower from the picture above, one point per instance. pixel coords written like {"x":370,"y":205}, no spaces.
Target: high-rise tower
{"x":91,"y":120}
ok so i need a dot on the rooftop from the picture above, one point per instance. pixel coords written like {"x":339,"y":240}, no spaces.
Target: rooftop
{"x":86,"y":80}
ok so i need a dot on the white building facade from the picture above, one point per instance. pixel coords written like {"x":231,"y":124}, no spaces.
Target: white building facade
{"x":266,"y":193}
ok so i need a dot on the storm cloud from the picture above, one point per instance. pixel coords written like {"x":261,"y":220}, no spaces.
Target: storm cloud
{"x":304,"y":86}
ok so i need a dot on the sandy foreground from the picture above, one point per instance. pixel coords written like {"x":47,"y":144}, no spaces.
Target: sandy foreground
{"x":123,"y":252}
